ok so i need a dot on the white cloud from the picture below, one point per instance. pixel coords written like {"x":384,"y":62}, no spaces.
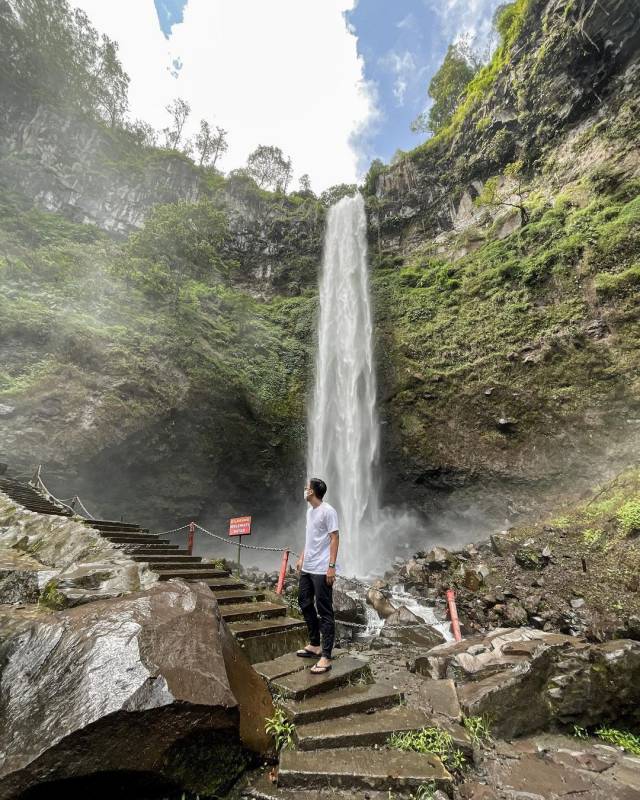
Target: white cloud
{"x":280,"y":72}
{"x":403,"y":66}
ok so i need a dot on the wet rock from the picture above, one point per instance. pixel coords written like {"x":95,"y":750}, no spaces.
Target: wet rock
{"x":440,"y":698}
{"x":116,"y":685}
{"x":527,"y":680}
{"x":439,"y":558}
{"x":419,"y":633}
{"x":528,"y":556}
{"x":377,"y":599}
{"x":474,"y":577}
{"x":19,"y":586}
{"x":414,"y":571}
{"x":348,"y":609}
{"x":502,"y":545}
{"x":5,"y":411}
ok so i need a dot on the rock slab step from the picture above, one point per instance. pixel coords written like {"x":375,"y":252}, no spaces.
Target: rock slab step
{"x":341,"y":702}
{"x":360,"y":730}
{"x":361,"y":769}
{"x":302,"y":684}
{"x":244,"y":611}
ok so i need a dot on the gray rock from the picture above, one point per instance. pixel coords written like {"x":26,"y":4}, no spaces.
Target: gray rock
{"x":5,"y":411}
{"x":348,"y":609}
{"x":115,"y":685}
{"x":527,"y":680}
{"x":439,"y":558}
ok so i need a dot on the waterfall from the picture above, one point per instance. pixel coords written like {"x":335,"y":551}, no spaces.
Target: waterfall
{"x":343,"y":425}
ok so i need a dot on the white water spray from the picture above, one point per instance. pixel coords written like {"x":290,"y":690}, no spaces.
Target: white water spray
{"x":343,"y":424}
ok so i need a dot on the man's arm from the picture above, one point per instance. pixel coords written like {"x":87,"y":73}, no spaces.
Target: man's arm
{"x":334,"y":543}
{"x":299,"y":562}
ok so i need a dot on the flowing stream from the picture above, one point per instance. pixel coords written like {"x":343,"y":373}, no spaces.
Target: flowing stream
{"x":343,"y":424}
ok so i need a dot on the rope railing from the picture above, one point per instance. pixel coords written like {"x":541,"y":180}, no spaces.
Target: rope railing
{"x":286,"y":551}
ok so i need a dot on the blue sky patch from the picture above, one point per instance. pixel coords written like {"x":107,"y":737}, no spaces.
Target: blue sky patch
{"x":170,"y":13}
{"x":402,"y":44}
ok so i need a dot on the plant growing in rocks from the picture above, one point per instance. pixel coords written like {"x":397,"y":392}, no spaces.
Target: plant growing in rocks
{"x":478,"y":728}
{"x":625,"y":739}
{"x":281,"y":729}
{"x":430,"y":740}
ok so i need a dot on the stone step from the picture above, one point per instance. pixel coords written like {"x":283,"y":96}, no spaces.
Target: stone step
{"x":341,"y":702}
{"x":134,"y":538}
{"x":246,"y":629}
{"x":366,"y":769}
{"x":114,"y":525}
{"x":154,"y":550}
{"x":244,"y":611}
{"x":265,"y":639}
{"x":360,"y":730}
{"x":263,"y":788}
{"x":166,"y":573}
{"x":237,"y":596}
{"x":303,"y":684}
{"x":224,"y":584}
{"x":173,"y":560}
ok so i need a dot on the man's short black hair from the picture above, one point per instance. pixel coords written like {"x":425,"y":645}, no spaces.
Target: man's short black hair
{"x":319,"y":487}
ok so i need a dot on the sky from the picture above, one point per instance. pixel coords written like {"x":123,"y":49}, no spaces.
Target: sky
{"x":333,"y":83}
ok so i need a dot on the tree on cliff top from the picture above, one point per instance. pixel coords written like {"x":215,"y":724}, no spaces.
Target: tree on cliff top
{"x":179,"y":111}
{"x":210,"y":145}
{"x":52,"y":54}
{"x":270,"y":168}
{"x":447,"y":87}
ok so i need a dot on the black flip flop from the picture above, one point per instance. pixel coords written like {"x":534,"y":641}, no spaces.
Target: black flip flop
{"x":304,"y":653}
{"x":316,"y":670}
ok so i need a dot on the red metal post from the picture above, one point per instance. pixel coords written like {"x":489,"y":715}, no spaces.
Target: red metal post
{"x":453,"y":615}
{"x":283,"y":571}
{"x":192,"y":531}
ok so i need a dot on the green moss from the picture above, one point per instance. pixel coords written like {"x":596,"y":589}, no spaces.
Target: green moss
{"x":612,"y":284}
{"x":51,"y":598}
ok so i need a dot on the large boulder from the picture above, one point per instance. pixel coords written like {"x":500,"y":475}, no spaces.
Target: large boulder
{"x":347,"y":608}
{"x":133,"y":686}
{"x":60,"y":562}
{"x":527,"y":680}
{"x":408,"y":628}
{"x":380,"y":603}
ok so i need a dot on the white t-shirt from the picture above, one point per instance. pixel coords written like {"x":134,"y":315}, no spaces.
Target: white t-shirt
{"x":321,"y":521}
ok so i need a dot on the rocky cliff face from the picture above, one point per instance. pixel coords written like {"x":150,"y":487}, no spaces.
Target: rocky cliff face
{"x":573,"y":64}
{"x":505,"y":356}
{"x":89,"y":173}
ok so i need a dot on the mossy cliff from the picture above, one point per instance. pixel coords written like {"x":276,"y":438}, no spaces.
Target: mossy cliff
{"x":156,"y":319}
{"x":509,"y":353}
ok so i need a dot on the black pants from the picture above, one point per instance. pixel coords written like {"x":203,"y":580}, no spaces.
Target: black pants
{"x":315,"y":598}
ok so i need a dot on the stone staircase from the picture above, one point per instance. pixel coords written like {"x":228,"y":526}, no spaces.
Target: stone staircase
{"x":263,"y":628}
{"x":343,"y":720}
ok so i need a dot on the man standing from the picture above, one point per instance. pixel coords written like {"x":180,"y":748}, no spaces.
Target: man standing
{"x":317,"y":568}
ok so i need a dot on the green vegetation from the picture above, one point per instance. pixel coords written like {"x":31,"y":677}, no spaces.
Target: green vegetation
{"x":51,"y":598}
{"x":510,"y":315}
{"x":627,"y":741}
{"x":446,"y":87}
{"x":629,"y":517}
{"x":281,"y":728}
{"x":430,"y":740}
{"x":478,"y":728}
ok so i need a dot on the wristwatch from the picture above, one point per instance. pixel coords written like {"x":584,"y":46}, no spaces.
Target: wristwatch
{"x":332,"y":566}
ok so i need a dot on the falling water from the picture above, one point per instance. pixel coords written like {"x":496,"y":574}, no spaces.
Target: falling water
{"x":343,"y":424}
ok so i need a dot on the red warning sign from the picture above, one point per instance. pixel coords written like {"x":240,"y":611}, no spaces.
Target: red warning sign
{"x":240,"y":526}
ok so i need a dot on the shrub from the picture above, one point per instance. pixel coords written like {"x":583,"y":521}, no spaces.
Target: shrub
{"x":629,"y":517}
